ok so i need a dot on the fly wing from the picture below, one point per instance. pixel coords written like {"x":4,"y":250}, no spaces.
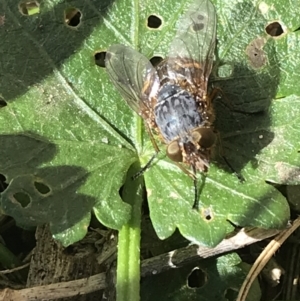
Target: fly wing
{"x":133,"y":76}
{"x":194,"y":42}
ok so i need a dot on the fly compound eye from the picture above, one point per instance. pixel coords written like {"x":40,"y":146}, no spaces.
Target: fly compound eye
{"x":205,"y":137}
{"x":174,"y":151}
{"x":196,"y":136}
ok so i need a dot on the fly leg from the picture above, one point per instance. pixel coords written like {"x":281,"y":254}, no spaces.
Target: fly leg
{"x":221,"y":152}
{"x":145,"y":167}
{"x":148,"y":164}
{"x":215,"y":94}
{"x":218,"y":96}
{"x":195,"y":182}
{"x":198,"y":192}
{"x":186,"y":171}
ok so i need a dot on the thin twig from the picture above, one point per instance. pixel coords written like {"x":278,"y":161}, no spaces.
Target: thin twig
{"x":21,"y":267}
{"x":264,"y":257}
{"x":193,"y":253}
{"x":56,"y":290}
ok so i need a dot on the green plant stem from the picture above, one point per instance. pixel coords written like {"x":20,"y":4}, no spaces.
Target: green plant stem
{"x":7,"y":259}
{"x":128,"y":267}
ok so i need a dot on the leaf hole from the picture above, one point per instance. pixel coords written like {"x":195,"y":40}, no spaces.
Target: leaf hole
{"x":3,"y":184}
{"x":198,"y":26}
{"x":121,"y":191}
{"x":275,"y":29}
{"x":208,"y":217}
{"x":197,"y":278}
{"x":155,"y":60}
{"x":154,"y":22}
{"x":29,"y":8}
{"x":100,"y":58}
{"x":3,"y":103}
{"x":41,"y":187}
{"x":72,"y":17}
{"x":22,"y":198}
{"x":207,"y":214}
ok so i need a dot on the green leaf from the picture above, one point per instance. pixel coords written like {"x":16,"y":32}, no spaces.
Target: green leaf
{"x":56,"y":127}
{"x":74,"y":181}
{"x":65,"y":125}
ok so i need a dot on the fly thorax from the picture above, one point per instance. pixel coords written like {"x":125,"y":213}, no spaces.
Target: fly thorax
{"x":176,"y":113}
